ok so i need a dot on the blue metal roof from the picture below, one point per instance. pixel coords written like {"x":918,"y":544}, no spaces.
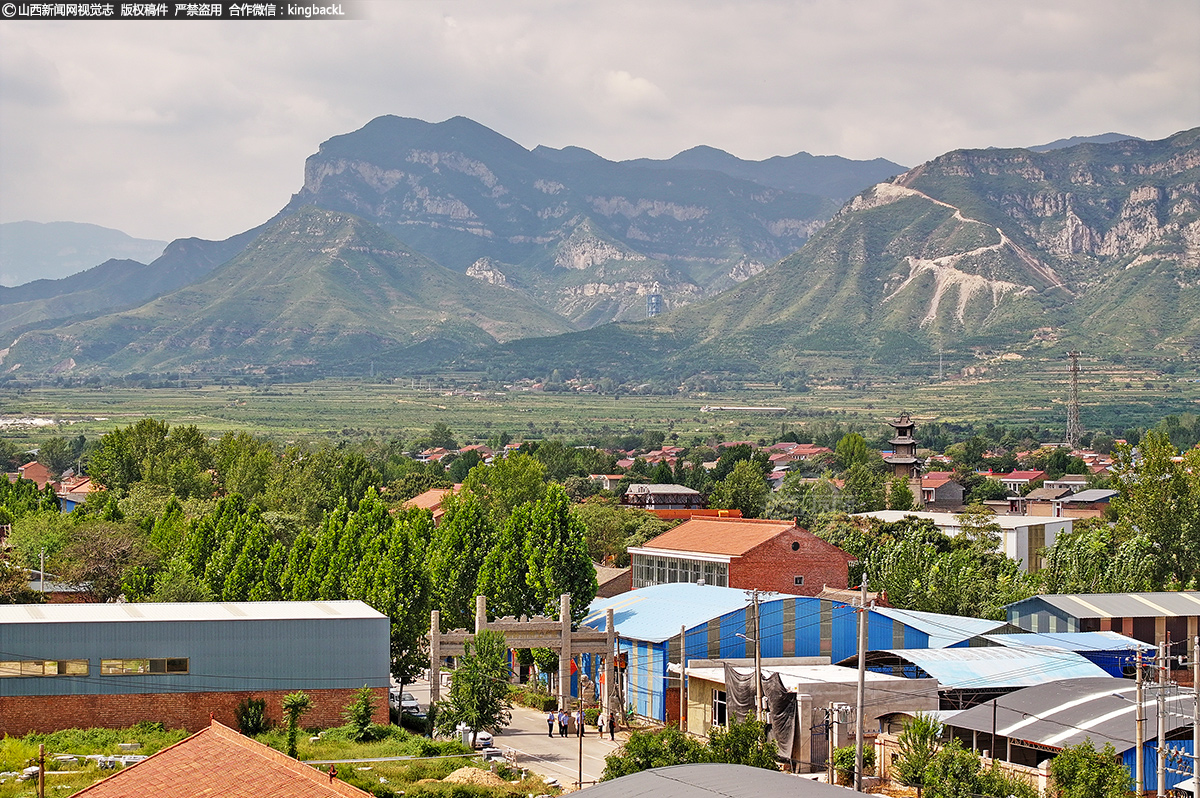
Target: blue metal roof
{"x":991,"y":666}
{"x":655,"y":613}
{"x":943,"y":630}
{"x":1072,"y":641}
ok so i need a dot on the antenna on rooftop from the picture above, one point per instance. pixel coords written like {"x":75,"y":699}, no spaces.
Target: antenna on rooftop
{"x":1074,"y":429}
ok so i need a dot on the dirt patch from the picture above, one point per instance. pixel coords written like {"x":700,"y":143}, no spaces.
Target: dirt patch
{"x":470,"y":775}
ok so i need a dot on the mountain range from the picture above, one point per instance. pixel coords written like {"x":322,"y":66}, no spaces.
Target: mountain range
{"x":421,"y":246}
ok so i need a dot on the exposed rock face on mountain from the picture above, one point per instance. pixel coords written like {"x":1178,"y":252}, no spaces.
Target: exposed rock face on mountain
{"x":1095,"y":246}
{"x":567,"y":223}
{"x":317,"y":288}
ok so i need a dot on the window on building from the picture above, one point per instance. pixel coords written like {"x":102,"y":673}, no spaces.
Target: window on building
{"x":798,"y":581}
{"x":719,"y":716}
{"x":133,"y":667}
{"x":39,"y":667}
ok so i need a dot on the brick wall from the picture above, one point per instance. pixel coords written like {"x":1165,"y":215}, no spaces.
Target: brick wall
{"x":775,"y":564}
{"x":22,"y":714}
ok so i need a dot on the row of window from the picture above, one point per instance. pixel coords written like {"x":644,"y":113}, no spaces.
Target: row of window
{"x":79,"y":667}
{"x":663,"y":570}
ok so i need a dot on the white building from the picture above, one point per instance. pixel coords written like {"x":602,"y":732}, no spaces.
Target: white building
{"x":1021,"y":536}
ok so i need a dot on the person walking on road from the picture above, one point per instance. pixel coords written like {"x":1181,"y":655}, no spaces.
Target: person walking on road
{"x":612,"y":726}
{"x":563,"y":719}
{"x":579,"y":717}
{"x":550,"y":720}
{"x":600,"y":722}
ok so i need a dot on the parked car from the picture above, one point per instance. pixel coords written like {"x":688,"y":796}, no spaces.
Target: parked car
{"x":482,"y":740}
{"x":404,"y":702}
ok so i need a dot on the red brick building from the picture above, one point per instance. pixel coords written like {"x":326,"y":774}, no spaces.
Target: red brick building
{"x":741,"y":553}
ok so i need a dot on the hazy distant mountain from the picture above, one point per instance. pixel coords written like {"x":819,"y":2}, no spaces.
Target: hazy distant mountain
{"x":828,"y":176}
{"x":48,"y":251}
{"x":115,"y":284}
{"x":316,"y":289}
{"x":1103,"y":138}
{"x":1095,"y":246}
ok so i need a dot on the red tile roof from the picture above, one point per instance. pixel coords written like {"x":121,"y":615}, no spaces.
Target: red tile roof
{"x":218,"y":761}
{"x":1031,"y":476}
{"x":731,"y":536}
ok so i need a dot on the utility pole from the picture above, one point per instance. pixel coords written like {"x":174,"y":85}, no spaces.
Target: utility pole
{"x":758,"y":692}
{"x":1161,"y":790}
{"x":1140,"y":732}
{"x":862,"y":682}
{"x":682,"y":678}
{"x":1195,"y":705}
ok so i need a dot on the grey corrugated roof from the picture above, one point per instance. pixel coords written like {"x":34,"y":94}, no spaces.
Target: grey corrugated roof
{"x":1072,"y":641}
{"x":1120,"y":605}
{"x":1065,"y":713}
{"x":989,"y":667}
{"x":726,"y":781}
{"x":1093,"y":495}
{"x":198,"y":611}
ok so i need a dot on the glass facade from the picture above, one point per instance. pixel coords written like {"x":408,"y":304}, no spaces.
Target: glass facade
{"x":649,"y":570}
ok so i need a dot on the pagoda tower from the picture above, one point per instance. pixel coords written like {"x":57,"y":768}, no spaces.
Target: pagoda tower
{"x":904,"y":461}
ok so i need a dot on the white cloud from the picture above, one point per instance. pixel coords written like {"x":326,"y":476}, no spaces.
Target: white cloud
{"x":174,"y":129}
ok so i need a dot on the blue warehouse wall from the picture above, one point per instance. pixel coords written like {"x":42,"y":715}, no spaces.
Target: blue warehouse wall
{"x":1179,"y":763}
{"x":789,"y":627}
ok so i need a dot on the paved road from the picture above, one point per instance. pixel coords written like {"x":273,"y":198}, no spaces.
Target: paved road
{"x":550,"y":756}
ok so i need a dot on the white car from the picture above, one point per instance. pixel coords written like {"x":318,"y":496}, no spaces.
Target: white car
{"x":404,"y":702}
{"x":482,"y":740}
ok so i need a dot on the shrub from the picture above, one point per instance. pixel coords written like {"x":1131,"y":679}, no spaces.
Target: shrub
{"x":590,"y":715}
{"x":843,"y":762}
{"x":251,"y":716}
{"x":358,"y":714}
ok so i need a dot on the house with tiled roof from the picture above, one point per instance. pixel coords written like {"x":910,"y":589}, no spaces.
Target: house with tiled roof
{"x":36,"y":473}
{"x":74,"y":492}
{"x":219,"y":761}
{"x":741,"y":553}
{"x":1019,"y":479}
{"x":431,"y":500}
{"x":940,"y":491}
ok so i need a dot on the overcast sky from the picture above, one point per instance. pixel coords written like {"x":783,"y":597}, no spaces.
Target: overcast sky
{"x":167,"y":130}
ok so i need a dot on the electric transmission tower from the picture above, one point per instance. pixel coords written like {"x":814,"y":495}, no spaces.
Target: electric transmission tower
{"x":1074,"y":430}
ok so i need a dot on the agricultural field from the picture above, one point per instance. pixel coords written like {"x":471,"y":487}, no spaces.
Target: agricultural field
{"x":1003,"y":393}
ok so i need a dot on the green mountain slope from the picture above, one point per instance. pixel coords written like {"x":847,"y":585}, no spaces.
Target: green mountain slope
{"x":315,"y":289}
{"x":983,"y":251}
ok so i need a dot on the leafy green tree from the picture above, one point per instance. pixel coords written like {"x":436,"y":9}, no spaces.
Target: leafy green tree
{"x":952,"y":772}
{"x":900,"y":496}
{"x":743,"y":489}
{"x":457,"y":550}
{"x":742,"y":743}
{"x":556,"y":550}
{"x":393,"y":579}
{"x":56,"y":455}
{"x":244,"y":464}
{"x":611,"y":529}
{"x":461,"y":465}
{"x":177,"y":583}
{"x":359,"y":713}
{"x":988,"y":489}
{"x":917,"y":744}
{"x":852,"y":450}
{"x":478,"y":695}
{"x":865,"y":487}
{"x":804,"y":499}
{"x":415,"y":483}
{"x":645,"y":750}
{"x":504,"y":576}
{"x":294,"y":705}
{"x":1159,"y":500}
{"x":1080,"y":771}
{"x":507,"y":483}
